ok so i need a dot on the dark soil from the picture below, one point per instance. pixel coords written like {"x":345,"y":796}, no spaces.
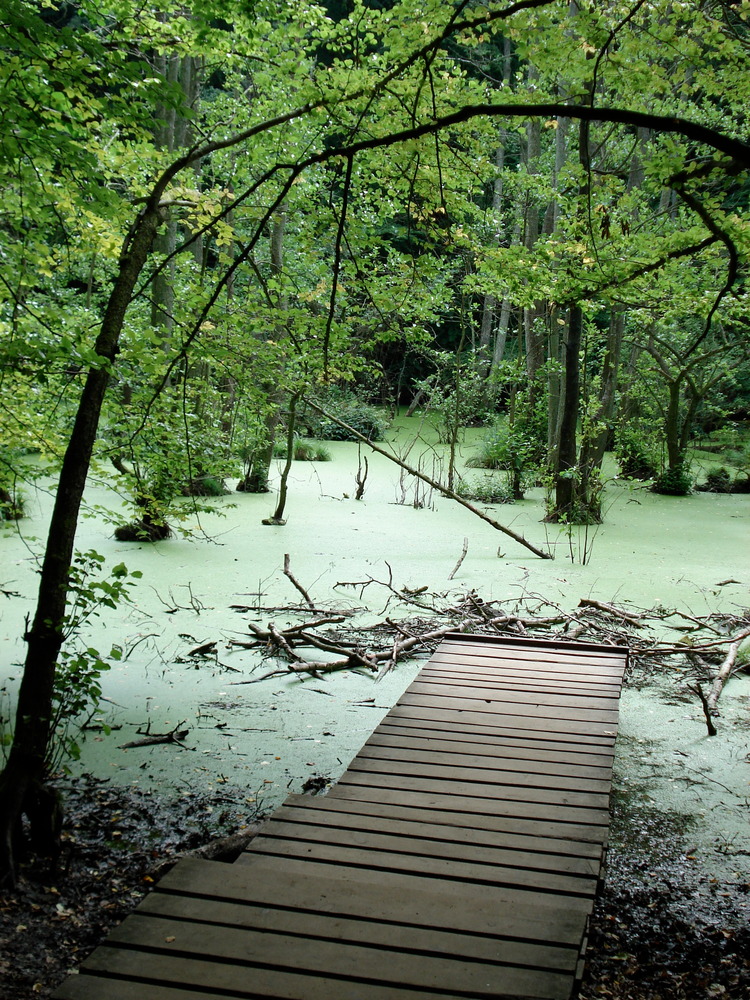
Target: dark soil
{"x":662,"y":929}
{"x":116,"y":842}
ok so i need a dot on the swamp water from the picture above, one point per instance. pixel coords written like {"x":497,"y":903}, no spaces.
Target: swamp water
{"x":269,"y":737}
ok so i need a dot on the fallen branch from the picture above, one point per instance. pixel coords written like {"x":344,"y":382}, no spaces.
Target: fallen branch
{"x":725,"y":670}
{"x":226,"y":849}
{"x":707,"y":712}
{"x":460,"y":559}
{"x":434,"y":484}
{"x":290,"y":576}
{"x":610,"y":609}
{"x":175,"y":735}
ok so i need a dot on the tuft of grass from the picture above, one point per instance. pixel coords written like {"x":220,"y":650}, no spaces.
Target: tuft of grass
{"x":304,"y":451}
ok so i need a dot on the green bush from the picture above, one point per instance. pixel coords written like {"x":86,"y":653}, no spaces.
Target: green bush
{"x":304,"y":451}
{"x":486,"y":489}
{"x":514,"y":449}
{"x":368,"y":420}
{"x":718,"y":481}
{"x":675,"y":482}
{"x":635,"y":455}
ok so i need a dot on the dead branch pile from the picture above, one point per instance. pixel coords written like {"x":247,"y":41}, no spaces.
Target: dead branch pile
{"x":699,"y":648}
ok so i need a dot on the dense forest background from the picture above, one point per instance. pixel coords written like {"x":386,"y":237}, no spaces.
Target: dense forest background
{"x":229,"y":224}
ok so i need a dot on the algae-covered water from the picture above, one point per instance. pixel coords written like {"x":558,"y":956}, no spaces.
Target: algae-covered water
{"x":269,"y":737}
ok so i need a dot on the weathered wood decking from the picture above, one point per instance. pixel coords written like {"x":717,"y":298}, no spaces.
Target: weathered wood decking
{"x":457,"y":857}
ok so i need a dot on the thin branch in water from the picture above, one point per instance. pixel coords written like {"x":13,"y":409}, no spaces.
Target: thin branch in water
{"x":295,"y":582}
{"x":461,"y":558}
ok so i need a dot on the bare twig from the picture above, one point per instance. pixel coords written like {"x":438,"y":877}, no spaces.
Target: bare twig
{"x":288,"y":573}
{"x":697,"y":689}
{"x":461,"y":558}
{"x":610,"y":609}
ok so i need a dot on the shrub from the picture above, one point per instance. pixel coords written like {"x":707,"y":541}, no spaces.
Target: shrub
{"x":675,"y":482}
{"x":635,"y":456}
{"x":368,"y":420}
{"x":304,"y":451}
{"x":205,"y":486}
{"x":717,"y":481}
{"x":513,"y":449}
{"x":486,"y":489}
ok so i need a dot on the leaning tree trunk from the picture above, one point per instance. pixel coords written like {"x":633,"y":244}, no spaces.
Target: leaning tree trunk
{"x":22,"y":779}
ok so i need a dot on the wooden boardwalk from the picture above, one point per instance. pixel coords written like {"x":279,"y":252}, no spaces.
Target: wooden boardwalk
{"x":457,"y":857}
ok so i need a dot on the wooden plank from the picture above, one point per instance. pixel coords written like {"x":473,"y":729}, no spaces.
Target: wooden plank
{"x":553,"y":798}
{"x":384,"y":897}
{"x":528,"y":707}
{"x":285,"y":915}
{"x":592,"y":668}
{"x":343,"y":816}
{"x":555,"y":817}
{"x":461,"y":728}
{"x":524,"y":775}
{"x":445,"y":749}
{"x":503,"y":679}
{"x":445,"y":660}
{"x":508,"y":681}
{"x":508,"y":897}
{"x":490,"y":740}
{"x":98,"y":987}
{"x":594,"y":663}
{"x":228,"y":951}
{"x":505,"y":673}
{"x":586,"y":704}
{"x":573,"y":647}
{"x":233,"y":982}
{"x":597,"y":734}
{"x":453,"y":825}
{"x":446,"y":871}
{"x":533,"y":648}
{"x":415,"y":839}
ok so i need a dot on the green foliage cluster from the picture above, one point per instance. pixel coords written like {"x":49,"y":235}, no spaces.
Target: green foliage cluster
{"x":353,"y":410}
{"x":304,"y":451}
{"x":486,"y":489}
{"x":636,"y":454}
{"x":210,"y":209}
{"x":674,"y":482}
{"x":77,"y":687}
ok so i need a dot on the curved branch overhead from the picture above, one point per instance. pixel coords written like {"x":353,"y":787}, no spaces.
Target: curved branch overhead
{"x":736,"y":149}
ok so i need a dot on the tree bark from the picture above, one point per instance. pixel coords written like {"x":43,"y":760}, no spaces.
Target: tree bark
{"x":24,"y":773}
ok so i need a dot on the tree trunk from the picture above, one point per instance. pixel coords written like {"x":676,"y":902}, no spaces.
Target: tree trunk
{"x":22,"y":779}
{"x":594,"y":444}
{"x":675,"y":455}
{"x":533,"y":336}
{"x":278,"y":514}
{"x":565,"y":479}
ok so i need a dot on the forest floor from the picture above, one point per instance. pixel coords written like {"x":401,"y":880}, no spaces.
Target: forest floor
{"x":662,"y":928}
